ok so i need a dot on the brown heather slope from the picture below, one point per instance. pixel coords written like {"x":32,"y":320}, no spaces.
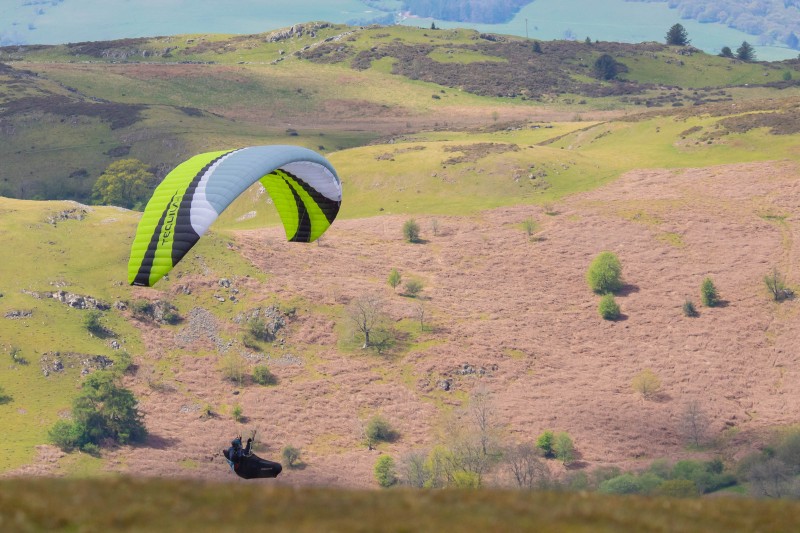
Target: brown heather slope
{"x":522,"y":310}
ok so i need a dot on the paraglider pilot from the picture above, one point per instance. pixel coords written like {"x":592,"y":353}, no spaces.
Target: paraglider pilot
{"x":248,"y":465}
{"x":236,"y":453}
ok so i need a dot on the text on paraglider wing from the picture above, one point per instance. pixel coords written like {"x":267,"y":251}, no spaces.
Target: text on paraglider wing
{"x":169,"y":219}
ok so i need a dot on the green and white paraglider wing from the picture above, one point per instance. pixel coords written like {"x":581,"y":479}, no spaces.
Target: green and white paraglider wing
{"x":303,"y":185}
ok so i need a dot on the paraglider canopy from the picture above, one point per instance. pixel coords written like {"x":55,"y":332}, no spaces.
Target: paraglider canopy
{"x":303,"y":185}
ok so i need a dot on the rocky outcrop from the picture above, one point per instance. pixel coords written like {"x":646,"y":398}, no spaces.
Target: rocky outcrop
{"x":76,"y":301}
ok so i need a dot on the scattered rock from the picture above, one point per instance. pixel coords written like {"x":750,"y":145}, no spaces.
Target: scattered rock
{"x":19,"y":313}
{"x":76,"y":301}
{"x":75,"y":213}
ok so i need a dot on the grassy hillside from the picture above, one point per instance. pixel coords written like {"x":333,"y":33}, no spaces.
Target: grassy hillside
{"x":137,"y":505}
{"x":68,"y":111}
{"x":80,"y":250}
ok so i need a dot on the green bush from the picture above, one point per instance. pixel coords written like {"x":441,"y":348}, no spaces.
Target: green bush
{"x":259,"y":330}
{"x":142,"y":309}
{"x":378,"y":429}
{"x":707,"y":476}
{"x":608,"y":307}
{"x":123,"y":362}
{"x":605,"y":273}
{"x":67,"y":435}
{"x":678,"y":488}
{"x":411,"y":230}
{"x":263,"y":376}
{"x":291,"y":455}
{"x":4,"y":398}
{"x":689,"y":309}
{"x":103,"y":410}
{"x":394,"y":278}
{"x":385,"y":472}
{"x":92,"y":323}
{"x":236,"y":413}
{"x":466,"y":480}
{"x":413,"y":287}
{"x":623,"y":484}
{"x":708,"y":293}
{"x":563,"y":447}
{"x":91,"y":448}
{"x":545,"y":443}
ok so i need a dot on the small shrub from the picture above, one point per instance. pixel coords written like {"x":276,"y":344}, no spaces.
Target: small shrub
{"x":776,"y":285}
{"x":394,"y":278}
{"x":646,"y":383}
{"x":4,"y":398}
{"x":378,"y":429}
{"x":237,"y":412}
{"x":91,"y":448}
{"x":413,"y":287}
{"x":708,"y":293}
{"x":92,"y":323}
{"x":385,"y":473}
{"x":170,"y":314}
{"x":291,"y":455}
{"x":207,"y":411}
{"x":545,"y":444}
{"x":563,"y":447}
{"x":411,"y":230}
{"x":258,"y":330}
{"x":67,"y":435}
{"x":17,"y":357}
{"x":605,"y":273}
{"x":123,"y":362}
{"x":142,"y":309}
{"x":529,"y":226}
{"x":623,"y":484}
{"x":689,"y":309}
{"x":608,"y":307}
{"x":466,"y":480}
{"x":233,"y":368}
{"x":263,"y":376}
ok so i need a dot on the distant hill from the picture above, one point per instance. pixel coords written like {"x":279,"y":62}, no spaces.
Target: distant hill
{"x":772,"y":21}
{"x":67,"y":111}
{"x":484,"y":11}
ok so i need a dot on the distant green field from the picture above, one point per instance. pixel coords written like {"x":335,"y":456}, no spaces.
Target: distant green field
{"x":122,"y":504}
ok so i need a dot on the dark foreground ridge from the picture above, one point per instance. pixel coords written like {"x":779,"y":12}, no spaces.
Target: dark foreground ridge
{"x":127,"y":504}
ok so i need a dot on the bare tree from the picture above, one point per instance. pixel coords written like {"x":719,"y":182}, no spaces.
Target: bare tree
{"x":771,"y":478}
{"x":694,"y":424}
{"x":481,"y":411}
{"x":413,"y":470}
{"x":419,"y":313}
{"x":776,"y":283}
{"x":366,"y":312}
{"x":525,"y":464}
